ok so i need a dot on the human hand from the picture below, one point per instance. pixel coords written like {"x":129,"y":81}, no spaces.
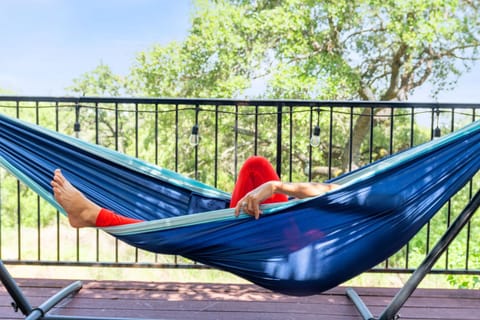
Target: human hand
{"x":250,"y":203}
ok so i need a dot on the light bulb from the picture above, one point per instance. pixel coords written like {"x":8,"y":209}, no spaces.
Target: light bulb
{"x":437,"y":132}
{"x":194,"y":137}
{"x":315,"y":139}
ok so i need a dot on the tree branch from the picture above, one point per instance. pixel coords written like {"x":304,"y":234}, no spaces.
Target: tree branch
{"x":396,"y":65}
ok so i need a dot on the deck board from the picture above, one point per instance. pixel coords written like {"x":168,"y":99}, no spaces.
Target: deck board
{"x":234,"y":301}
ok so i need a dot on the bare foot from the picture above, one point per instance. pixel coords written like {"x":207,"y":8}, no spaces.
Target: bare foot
{"x":81,"y":212}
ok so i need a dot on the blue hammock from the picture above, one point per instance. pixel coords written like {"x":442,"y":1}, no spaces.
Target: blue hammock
{"x":301,"y":247}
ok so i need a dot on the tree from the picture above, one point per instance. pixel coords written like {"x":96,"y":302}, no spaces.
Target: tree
{"x":326,"y":50}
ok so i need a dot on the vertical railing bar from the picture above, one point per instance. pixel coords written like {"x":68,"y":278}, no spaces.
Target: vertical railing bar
{"x":469,"y":224}
{"x":57,"y":128}
{"x":97,"y":124}
{"x":449,"y":217}
{"x":412,"y":141}
{"x":310,"y":147}
{"x":370,"y":143}
{"x":255,"y":145}
{"x":467,"y":249}
{"x":412,"y":127}
{"x":449,"y":203}
{"x":290,"y":160}
{"x":176,"y":137}
{"x":136,"y":156}
{"x":116,"y":149}
{"x":155,"y":129}
{"x":279,"y":139}
{"x":215,"y":162}
{"x":390,"y":147}
{"x":19,"y":211}
{"x":77,"y":135}
{"x":350,"y":144}
{"x":97,"y":142}
{"x":155,"y":132}
{"x":330,"y":142}
{"x":197,"y":110}
{"x":77,"y":231}
{"x":37,"y":121}
{"x":197,"y":146}
{"x":136,"y":111}
{"x":427,"y":248}
{"x":392,"y":130}
{"x":235,"y":144}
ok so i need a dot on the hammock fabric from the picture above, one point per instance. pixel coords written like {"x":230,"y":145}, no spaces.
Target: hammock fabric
{"x":300,"y":247}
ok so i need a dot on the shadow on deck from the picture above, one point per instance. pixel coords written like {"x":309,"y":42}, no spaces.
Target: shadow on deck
{"x":233,"y":301}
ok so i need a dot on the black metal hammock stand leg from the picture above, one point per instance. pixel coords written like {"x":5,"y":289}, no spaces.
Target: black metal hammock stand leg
{"x":391,"y":311}
{"x":20,"y":302}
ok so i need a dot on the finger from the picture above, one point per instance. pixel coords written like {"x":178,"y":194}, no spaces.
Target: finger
{"x":240,"y":207}
{"x":249,"y":207}
{"x":257,"y":211}
{"x":246,"y":207}
{"x":237,"y":209}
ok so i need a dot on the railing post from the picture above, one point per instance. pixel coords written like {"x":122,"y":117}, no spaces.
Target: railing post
{"x":279,"y":140}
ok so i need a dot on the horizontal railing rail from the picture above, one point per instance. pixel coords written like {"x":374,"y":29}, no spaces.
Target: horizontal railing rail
{"x":305,"y":140}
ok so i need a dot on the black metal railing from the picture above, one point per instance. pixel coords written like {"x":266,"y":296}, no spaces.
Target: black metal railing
{"x":345,"y":135}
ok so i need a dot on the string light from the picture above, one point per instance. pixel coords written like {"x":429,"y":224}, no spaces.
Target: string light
{"x":315,"y":139}
{"x":194,"y":137}
{"x":76,"y":125}
{"x":437,"y":133}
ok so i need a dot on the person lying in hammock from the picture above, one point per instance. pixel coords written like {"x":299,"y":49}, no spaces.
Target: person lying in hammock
{"x":257,"y":184}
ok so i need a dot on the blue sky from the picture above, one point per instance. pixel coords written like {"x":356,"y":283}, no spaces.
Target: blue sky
{"x":45,"y":44}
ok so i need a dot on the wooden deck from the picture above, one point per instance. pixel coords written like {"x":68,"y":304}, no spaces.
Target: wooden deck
{"x":233,"y":301}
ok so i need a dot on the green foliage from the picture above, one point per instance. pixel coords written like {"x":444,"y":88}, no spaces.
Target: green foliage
{"x":464,"y":282}
{"x":296,"y":49}
{"x":99,"y":82}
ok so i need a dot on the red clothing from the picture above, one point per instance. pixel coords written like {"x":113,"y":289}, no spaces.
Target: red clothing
{"x":107,"y":218}
{"x":254,"y":172}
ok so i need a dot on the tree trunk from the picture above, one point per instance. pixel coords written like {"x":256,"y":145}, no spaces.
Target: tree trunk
{"x":360,"y":130}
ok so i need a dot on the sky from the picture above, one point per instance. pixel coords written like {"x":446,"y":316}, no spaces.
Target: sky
{"x":45,"y":44}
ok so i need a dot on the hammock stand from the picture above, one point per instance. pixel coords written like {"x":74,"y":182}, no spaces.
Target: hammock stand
{"x":391,"y":311}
